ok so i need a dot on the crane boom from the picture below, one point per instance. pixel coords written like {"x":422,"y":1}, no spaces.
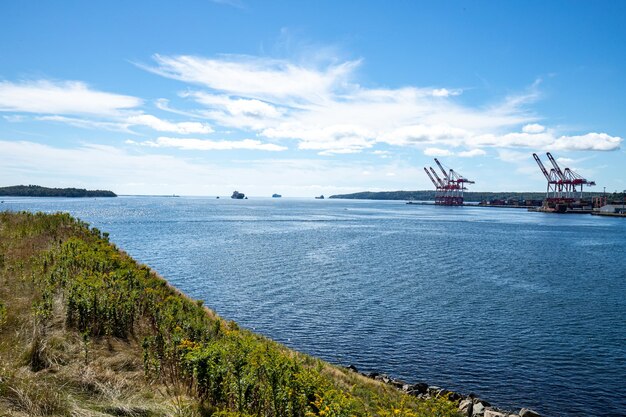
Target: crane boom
{"x":431,"y":178}
{"x":556,"y":166}
{"x":441,"y":183}
{"x":442,"y":170}
{"x":543,"y":168}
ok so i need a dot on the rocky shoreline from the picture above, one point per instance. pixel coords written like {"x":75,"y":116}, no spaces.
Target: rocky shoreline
{"x":469,"y":405}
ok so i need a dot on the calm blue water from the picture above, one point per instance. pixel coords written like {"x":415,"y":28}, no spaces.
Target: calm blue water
{"x":523,"y":309}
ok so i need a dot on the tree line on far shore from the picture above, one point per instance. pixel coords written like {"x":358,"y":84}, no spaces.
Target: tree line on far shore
{"x":39,"y":191}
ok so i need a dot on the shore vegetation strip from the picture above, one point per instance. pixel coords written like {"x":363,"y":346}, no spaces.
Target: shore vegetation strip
{"x":86,"y":330}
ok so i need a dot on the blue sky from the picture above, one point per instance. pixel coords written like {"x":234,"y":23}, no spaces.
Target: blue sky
{"x":204,"y":97}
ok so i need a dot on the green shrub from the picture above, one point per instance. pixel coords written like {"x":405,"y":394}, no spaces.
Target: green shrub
{"x":229,"y":371}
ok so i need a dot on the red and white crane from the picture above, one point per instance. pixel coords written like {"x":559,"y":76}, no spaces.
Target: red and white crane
{"x":563,"y":185}
{"x":449,"y":191}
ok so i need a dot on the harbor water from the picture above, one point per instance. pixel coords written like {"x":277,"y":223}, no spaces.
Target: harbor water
{"x":522,"y":309}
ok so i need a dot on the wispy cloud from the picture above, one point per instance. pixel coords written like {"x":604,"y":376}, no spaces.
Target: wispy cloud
{"x":437,"y":152}
{"x":133,"y":171}
{"x":471,"y":153}
{"x":209,"y":145}
{"x":76,"y":104}
{"x":265,"y":79}
{"x":64,"y":97}
{"x":161,"y":125}
{"x":326,"y":110}
{"x":318,"y":105}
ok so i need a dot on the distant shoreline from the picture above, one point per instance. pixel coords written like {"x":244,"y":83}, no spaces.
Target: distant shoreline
{"x":429,"y":195}
{"x":38,"y":191}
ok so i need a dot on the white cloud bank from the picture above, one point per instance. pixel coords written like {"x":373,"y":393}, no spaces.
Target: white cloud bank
{"x":76,"y":104}
{"x":131,"y":171}
{"x":325,"y":110}
{"x":209,"y":145}
{"x":65,"y":97}
{"x":161,"y":125}
{"x":322,"y":108}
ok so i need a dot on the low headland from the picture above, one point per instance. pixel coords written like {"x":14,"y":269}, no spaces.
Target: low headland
{"x":86,"y":330}
{"x":38,"y":191}
{"x":429,"y":195}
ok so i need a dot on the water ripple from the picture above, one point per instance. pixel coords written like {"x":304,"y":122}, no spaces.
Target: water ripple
{"x":523,"y":309}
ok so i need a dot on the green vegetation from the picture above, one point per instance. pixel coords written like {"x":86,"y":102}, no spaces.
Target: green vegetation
{"x":38,"y":191}
{"x":85,"y":330}
{"x":429,"y":195}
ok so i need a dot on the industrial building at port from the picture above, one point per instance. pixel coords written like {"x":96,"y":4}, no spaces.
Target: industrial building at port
{"x":564,"y":192}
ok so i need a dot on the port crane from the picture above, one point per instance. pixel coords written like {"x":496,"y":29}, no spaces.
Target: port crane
{"x":449,"y":190}
{"x":563,"y":184}
{"x":555,"y":186}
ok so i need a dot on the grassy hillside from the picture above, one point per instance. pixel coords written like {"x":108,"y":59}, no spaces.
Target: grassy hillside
{"x":87,"y":331}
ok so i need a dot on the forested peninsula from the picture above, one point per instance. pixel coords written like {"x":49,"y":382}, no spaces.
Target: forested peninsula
{"x":38,"y":191}
{"x":85,"y":330}
{"x":429,"y":195}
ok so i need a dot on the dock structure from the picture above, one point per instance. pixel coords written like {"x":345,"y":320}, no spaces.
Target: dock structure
{"x":449,"y":190}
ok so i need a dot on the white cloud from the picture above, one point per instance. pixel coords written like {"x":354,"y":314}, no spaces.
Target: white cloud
{"x":65,"y":97}
{"x":320,"y":107}
{"x":424,"y":134}
{"x":325,"y":110}
{"x":533,"y":128}
{"x":210,"y":145}
{"x":238,"y":106}
{"x":135,"y":172}
{"x":88,"y":123}
{"x":437,"y":152}
{"x":588,"y":142}
{"x":548,"y":141}
{"x":444,"y":92}
{"x":471,"y":153}
{"x":124,"y":124}
{"x":508,"y":155}
{"x":331,"y":139}
{"x":255,"y":77}
{"x":160,"y":125}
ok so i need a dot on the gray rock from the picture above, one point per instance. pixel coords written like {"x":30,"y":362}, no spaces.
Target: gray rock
{"x":493,"y":413}
{"x":526,"y":412}
{"x":479,"y":410}
{"x":483,"y":402}
{"x":466,"y":407}
{"x":397,"y":383}
{"x":433,"y":391}
{"x":442,"y":393}
{"x":454,"y":396}
{"x":382,"y":377}
{"x":420,"y":387}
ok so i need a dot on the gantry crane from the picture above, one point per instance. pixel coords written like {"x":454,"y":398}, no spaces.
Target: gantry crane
{"x":563,"y":185}
{"x":449,"y":191}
